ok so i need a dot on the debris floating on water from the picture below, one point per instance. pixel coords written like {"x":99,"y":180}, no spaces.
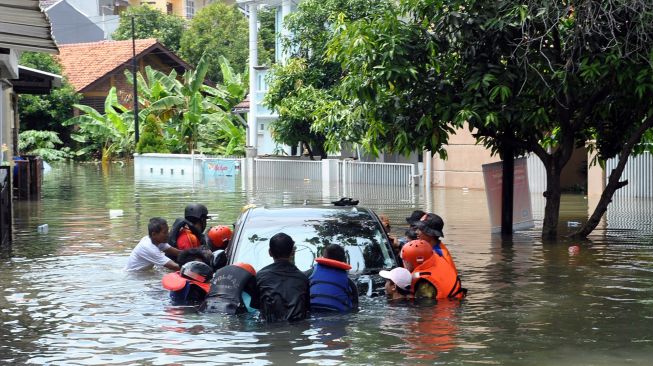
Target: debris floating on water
{"x":573,"y":224}
{"x":43,"y":229}
{"x":115,"y":213}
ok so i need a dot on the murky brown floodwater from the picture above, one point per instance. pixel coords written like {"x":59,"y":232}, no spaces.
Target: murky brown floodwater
{"x":65,"y":299}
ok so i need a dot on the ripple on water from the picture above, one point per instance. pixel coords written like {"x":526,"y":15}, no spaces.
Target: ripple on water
{"x":65,"y":299}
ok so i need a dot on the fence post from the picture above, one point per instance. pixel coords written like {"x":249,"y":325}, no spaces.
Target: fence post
{"x":329,"y":177}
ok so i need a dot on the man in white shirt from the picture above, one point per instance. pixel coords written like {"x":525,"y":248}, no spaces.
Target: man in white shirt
{"x":148,"y":253}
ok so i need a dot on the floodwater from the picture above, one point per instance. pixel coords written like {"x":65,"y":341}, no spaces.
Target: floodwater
{"x":64,"y":298}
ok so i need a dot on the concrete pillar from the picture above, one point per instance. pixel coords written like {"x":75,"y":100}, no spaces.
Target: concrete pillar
{"x":596,"y":181}
{"x":286,"y":8}
{"x":253,"y":62}
{"x":329,"y":178}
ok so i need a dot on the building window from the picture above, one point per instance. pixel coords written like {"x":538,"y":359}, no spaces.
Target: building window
{"x":190,"y":9}
{"x":262,"y":127}
{"x":169,"y":8}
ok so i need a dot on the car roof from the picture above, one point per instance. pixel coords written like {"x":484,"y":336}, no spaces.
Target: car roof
{"x":311,"y":212}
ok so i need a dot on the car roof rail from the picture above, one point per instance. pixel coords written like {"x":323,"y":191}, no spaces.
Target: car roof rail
{"x":345,"y":201}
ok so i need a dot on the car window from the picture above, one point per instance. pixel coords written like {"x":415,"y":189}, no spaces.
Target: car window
{"x":364,"y":242}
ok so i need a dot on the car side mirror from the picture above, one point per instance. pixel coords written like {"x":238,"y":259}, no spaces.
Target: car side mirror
{"x":218,"y":259}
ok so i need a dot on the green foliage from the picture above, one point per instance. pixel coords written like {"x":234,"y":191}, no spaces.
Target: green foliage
{"x":152,"y":138}
{"x":186,"y":115}
{"x":151,"y":23}
{"x":38,"y":112}
{"x":542,"y":77}
{"x":43,"y":144}
{"x":108,"y":134}
{"x":304,"y":90}
{"x":217,"y":30}
{"x":267,"y":19}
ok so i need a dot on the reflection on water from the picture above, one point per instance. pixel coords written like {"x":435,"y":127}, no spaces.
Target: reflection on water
{"x":65,"y":300}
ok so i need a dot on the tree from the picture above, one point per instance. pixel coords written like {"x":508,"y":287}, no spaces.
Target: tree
{"x":43,"y":144}
{"x":186,"y":115}
{"x":266,"y":31}
{"x":108,"y":134}
{"x":219,"y":30}
{"x":300,"y":89}
{"x":46,"y":112}
{"x":538,"y":76}
{"x":150,"y":23}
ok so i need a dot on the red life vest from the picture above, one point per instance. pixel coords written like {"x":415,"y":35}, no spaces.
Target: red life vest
{"x":187,"y":239}
{"x":442,"y":275}
{"x":175,"y":282}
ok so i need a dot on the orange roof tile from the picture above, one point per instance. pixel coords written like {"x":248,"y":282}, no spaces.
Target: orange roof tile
{"x":84,"y":63}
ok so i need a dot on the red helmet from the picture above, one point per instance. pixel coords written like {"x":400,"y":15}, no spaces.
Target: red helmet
{"x":247,"y":267}
{"x":220,"y":236}
{"x":416,"y":252}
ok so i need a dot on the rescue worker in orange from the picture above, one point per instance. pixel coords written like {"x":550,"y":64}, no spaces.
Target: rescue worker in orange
{"x":429,"y":229}
{"x":187,"y":232}
{"x":219,"y":237}
{"x":433,"y":276}
{"x":190,"y":285}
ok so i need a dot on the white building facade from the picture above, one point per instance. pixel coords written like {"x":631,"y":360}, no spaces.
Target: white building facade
{"x":259,"y":118}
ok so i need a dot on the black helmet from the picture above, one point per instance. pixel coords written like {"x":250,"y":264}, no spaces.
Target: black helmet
{"x":196,"y":211}
{"x":196,"y":270}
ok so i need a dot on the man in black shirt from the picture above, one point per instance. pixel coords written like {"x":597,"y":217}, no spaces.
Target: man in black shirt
{"x":282,"y":288}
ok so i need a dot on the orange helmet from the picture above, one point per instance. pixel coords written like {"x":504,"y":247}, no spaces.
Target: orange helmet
{"x":416,"y":252}
{"x":246,"y":267}
{"x":220,"y":236}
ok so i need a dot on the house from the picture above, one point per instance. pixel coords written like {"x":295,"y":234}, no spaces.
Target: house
{"x":93,"y":68}
{"x":182,"y":8}
{"x":77,"y":21}
{"x":23,"y":27}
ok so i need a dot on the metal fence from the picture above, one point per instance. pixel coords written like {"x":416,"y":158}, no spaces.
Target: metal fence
{"x":638,"y":172}
{"x":288,"y":169}
{"x":392,"y":174}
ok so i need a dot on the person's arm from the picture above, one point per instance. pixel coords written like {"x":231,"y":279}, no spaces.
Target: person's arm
{"x":172,"y":251}
{"x":171,"y":265}
{"x":354,"y":295}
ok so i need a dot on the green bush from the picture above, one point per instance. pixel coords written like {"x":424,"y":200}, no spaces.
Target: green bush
{"x":43,"y":144}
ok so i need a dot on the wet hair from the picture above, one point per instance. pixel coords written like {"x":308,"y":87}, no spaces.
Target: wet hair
{"x":189,"y":255}
{"x":411,"y":234}
{"x":336,"y":252}
{"x":403,"y":292}
{"x":155,"y":225}
{"x":281,"y":246}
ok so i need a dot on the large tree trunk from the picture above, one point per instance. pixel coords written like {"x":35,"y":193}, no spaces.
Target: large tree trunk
{"x":552,"y":194}
{"x":613,"y":182}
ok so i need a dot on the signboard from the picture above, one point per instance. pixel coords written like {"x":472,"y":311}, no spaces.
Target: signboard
{"x":219,"y":168}
{"x":522,"y":217}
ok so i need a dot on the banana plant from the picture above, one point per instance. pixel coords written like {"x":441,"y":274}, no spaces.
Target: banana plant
{"x":110,"y":133}
{"x":181,"y":107}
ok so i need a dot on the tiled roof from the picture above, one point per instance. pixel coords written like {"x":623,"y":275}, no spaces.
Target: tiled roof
{"x":84,"y":63}
{"x":242,"y":106}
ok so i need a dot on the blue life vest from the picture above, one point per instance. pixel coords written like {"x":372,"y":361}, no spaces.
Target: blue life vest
{"x":330,"y":289}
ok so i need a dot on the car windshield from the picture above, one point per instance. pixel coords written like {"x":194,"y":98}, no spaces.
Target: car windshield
{"x":365,"y":244}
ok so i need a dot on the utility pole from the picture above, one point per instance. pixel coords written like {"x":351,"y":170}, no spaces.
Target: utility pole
{"x":135,"y":82}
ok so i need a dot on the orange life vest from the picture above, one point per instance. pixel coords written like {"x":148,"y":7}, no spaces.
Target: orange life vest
{"x":442,"y":275}
{"x":447,"y":255}
{"x":175,"y":282}
{"x":187,"y":240}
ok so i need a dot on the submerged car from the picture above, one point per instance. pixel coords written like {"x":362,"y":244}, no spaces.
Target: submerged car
{"x":358,"y":230}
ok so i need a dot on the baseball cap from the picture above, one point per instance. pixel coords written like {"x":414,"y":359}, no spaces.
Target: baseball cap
{"x":400,"y":276}
{"x":431,"y":225}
